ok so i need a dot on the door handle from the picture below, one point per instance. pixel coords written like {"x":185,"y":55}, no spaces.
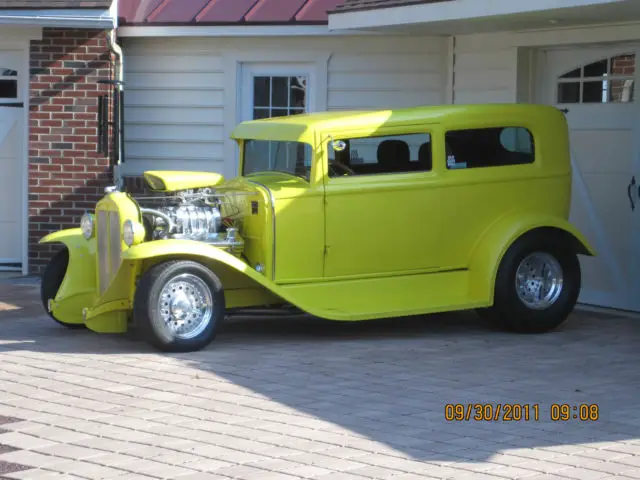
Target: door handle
{"x":631,"y":191}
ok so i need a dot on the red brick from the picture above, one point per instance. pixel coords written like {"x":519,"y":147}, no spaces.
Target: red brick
{"x":51,"y":123}
{"x":64,"y":100}
{"x":52,"y":108}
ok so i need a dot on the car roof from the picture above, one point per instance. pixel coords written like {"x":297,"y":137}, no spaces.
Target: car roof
{"x":302,"y":127}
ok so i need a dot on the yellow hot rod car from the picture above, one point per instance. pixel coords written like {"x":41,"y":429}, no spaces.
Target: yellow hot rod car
{"x":343,"y":215}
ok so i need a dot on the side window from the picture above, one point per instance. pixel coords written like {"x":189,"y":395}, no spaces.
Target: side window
{"x":376,"y":155}
{"x":489,"y":147}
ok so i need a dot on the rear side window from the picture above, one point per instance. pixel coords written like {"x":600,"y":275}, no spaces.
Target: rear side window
{"x":489,"y":147}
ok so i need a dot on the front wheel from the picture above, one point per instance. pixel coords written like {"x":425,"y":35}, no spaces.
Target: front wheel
{"x":537,"y":286}
{"x":179,"y":306}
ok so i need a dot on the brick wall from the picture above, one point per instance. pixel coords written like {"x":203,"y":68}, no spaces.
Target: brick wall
{"x":623,"y":65}
{"x":66,"y":175}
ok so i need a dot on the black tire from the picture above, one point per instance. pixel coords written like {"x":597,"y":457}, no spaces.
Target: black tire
{"x":512,"y":314}
{"x":50,"y":284}
{"x":147,"y":312}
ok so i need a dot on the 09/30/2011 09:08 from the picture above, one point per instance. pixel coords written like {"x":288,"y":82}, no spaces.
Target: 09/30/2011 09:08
{"x":516,"y":412}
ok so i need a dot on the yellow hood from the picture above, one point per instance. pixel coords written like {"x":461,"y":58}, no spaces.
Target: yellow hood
{"x":171,"y":181}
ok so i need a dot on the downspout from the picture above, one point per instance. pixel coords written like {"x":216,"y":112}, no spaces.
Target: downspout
{"x":451,"y":69}
{"x":116,"y":50}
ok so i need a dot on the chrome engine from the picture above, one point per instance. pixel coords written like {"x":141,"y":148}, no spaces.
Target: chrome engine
{"x":187,"y":215}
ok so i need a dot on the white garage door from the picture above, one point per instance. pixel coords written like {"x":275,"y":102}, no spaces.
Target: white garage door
{"x":596,"y":86}
{"x":11,"y":152}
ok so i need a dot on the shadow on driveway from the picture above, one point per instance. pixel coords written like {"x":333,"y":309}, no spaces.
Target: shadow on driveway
{"x":389,"y":381}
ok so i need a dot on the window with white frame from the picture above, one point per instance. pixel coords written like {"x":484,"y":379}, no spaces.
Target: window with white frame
{"x":608,"y":80}
{"x":279,"y":96}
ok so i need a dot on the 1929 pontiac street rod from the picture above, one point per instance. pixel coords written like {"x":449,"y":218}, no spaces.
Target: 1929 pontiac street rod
{"x":342,"y":215}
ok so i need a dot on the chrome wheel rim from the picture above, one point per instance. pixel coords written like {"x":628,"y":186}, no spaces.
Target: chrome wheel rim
{"x":186,"y":306}
{"x":539,"y":280}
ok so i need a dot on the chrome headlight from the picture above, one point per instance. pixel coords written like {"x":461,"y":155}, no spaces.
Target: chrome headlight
{"x":132,"y":233}
{"x":87,"y":225}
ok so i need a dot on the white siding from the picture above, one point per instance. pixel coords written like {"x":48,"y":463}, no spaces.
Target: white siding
{"x":387,"y":72}
{"x":173,"y":107}
{"x":177,"y":89}
{"x":485,"y":70}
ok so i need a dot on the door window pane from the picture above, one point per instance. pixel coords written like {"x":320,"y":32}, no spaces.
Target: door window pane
{"x":8,"y":83}
{"x":593,"y":92}
{"x":261,"y":91}
{"x":280,"y":92}
{"x":609,"y":80}
{"x":621,"y":91}
{"x":8,"y":89}
{"x":596,"y":69}
{"x":572,"y":74}
{"x":297,"y":92}
{"x":569,"y":92}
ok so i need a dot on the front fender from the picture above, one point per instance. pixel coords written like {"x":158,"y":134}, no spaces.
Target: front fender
{"x":68,"y":236}
{"x":78,"y":288}
{"x":492,"y":246}
{"x":242,"y":284}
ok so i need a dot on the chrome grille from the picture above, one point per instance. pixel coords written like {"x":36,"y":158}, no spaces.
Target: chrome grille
{"x":109,"y":254}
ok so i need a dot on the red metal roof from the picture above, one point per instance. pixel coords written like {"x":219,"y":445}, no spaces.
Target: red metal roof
{"x":224,"y":12}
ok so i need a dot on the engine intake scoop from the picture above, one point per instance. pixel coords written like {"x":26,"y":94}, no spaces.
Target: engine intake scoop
{"x":170,"y":181}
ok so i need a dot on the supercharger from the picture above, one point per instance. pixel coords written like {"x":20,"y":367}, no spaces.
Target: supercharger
{"x":190,"y":215}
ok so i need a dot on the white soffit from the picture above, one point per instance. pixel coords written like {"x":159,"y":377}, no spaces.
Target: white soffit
{"x":455,"y":10}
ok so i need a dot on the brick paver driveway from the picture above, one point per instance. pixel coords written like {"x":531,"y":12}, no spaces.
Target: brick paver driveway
{"x":303,"y":398}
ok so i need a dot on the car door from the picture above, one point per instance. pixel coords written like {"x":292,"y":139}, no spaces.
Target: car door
{"x":381,"y":211}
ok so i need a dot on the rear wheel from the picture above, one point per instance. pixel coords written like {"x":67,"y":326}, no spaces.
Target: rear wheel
{"x":179,"y":306}
{"x":50,"y":283}
{"x":537,"y":285}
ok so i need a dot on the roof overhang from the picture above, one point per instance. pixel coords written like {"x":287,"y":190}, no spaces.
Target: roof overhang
{"x":457,"y":17}
{"x":232,"y":31}
{"x":67,"y":18}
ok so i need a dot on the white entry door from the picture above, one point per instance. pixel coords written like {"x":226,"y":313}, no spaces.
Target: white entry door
{"x":11,"y":160}
{"x":598,"y":89}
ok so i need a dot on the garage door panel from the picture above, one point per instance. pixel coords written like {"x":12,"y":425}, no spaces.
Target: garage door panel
{"x":603,"y":127}
{"x":601,"y":279}
{"x":10,"y":185}
{"x":603,"y":151}
{"x":611,"y":204}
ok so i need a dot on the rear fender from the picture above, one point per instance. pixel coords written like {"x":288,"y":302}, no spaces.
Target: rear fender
{"x":243,"y":286}
{"x":493,"y":245}
{"x":78,"y":288}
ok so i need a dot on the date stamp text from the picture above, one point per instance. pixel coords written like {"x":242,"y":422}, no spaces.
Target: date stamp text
{"x":520,"y":412}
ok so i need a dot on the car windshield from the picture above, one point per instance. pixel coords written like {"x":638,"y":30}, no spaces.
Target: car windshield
{"x":276,"y":156}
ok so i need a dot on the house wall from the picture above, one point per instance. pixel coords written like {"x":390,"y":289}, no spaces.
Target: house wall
{"x":485,"y":70}
{"x":181,"y":94}
{"x":505,"y":66}
{"x":66,"y":175}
